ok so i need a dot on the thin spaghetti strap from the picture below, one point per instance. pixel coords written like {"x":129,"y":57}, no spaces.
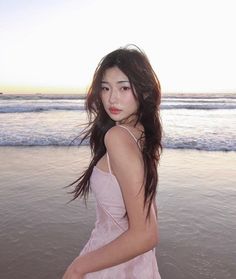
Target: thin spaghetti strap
{"x":108,"y":159}
{"x":131,"y":134}
{"x":108,"y":163}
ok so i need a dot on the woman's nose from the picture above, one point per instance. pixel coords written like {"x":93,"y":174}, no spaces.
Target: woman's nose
{"x":113,"y":97}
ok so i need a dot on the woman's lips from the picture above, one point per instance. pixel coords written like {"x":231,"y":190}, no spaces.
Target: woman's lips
{"x":114,"y":110}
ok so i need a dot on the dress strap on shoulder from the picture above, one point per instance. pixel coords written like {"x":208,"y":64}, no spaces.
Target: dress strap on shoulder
{"x":130,"y":134}
{"x":108,"y":159}
{"x":108,"y":163}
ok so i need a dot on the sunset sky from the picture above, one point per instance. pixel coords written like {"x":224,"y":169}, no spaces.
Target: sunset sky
{"x":54,"y":46}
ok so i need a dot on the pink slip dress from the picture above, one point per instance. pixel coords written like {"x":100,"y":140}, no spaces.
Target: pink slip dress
{"x":110,"y":224}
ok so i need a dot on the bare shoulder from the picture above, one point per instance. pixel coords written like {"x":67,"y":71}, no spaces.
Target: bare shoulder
{"x":123,"y":151}
{"x":118,"y":138}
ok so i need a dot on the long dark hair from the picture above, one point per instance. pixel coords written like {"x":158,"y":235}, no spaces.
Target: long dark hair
{"x":135,"y":65}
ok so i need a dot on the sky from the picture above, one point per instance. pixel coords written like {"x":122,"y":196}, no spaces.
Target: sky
{"x":54,"y":46}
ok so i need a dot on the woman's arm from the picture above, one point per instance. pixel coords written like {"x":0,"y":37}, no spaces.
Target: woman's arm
{"x":141,"y":236}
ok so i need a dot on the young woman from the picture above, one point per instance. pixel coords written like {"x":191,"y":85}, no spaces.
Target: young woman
{"x":125,"y":138}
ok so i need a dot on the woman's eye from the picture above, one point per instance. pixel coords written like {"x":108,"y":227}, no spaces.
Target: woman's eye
{"x":125,"y":88}
{"x":104,"y":88}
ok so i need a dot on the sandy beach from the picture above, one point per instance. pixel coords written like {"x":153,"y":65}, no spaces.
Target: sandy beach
{"x":41,"y":233}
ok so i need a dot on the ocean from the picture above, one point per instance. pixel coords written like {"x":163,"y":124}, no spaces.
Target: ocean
{"x":190,"y":121}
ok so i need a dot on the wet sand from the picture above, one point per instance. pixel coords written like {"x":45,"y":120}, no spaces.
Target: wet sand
{"x":41,"y":233}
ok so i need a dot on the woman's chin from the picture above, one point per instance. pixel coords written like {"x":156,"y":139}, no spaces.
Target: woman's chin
{"x":121,"y":119}
{"x":116,"y":118}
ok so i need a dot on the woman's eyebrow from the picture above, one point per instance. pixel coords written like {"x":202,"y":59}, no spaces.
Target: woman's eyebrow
{"x":120,"y":81}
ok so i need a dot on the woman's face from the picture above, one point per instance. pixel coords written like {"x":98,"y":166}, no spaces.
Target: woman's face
{"x":117,"y":96}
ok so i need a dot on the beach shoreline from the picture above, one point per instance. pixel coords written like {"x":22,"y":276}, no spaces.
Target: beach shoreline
{"x":41,"y":233}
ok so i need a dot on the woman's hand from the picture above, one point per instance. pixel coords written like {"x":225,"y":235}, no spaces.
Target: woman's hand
{"x":71,"y":273}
